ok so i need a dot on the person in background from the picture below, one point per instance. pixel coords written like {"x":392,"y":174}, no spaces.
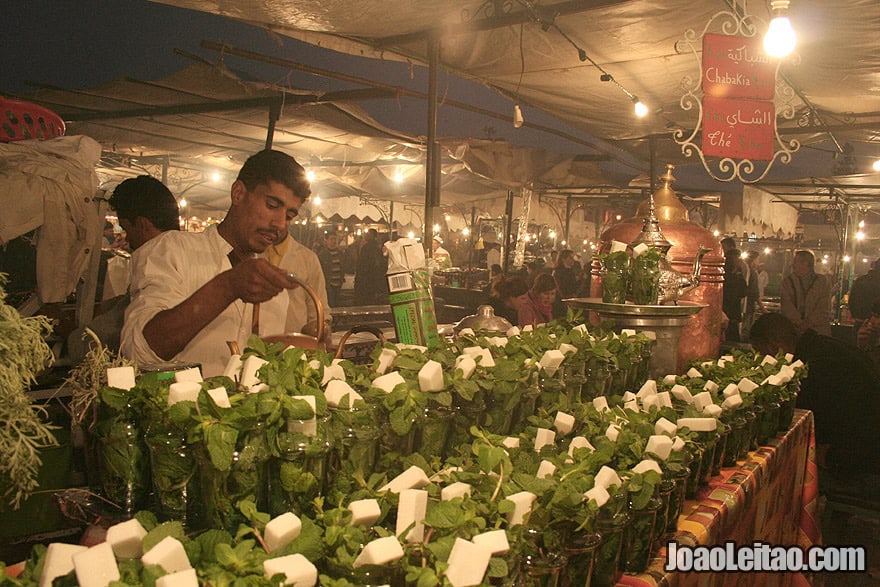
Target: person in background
{"x":370,"y":282}
{"x":868,"y":336}
{"x":733,"y":291}
{"x":512,"y":292}
{"x":496,"y":275}
{"x":331,"y":264}
{"x":145,"y":209}
{"x":566,"y":273}
{"x":841,"y":390}
{"x":297,"y":259}
{"x":440,"y":256}
{"x":493,"y":250}
{"x":864,"y":291}
{"x":535,"y":268}
{"x":196,"y":291}
{"x":753,"y":303}
{"x":806,"y":296}
{"x":538,"y":307}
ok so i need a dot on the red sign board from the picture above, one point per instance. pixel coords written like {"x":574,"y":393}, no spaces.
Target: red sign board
{"x":737,"y":67}
{"x":739,"y":129}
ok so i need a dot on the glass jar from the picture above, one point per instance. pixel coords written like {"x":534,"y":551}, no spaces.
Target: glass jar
{"x":580,"y":550}
{"x":735,"y":438}
{"x":543,"y":569}
{"x":175,"y":475}
{"x":720,"y":448}
{"x":607,"y":569}
{"x":573,"y":379}
{"x":645,"y":278}
{"x":758,"y":412}
{"x":664,"y":494}
{"x":432,"y":431}
{"x":122,"y":458}
{"x":299,"y":475}
{"x":677,"y":497}
{"x":354,"y":436}
{"x":694,"y":479}
{"x":596,"y":380}
{"x":639,"y":539}
{"x":768,"y":424}
{"x":615,"y":277}
{"x":222,"y":490}
{"x":525,"y":408}
{"x":786,"y":411}
{"x":745,"y":444}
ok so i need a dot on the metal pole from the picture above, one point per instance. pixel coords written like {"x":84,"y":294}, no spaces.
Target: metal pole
{"x":652,"y":149}
{"x":432,"y":168}
{"x":508,"y":228}
{"x":567,"y":220}
{"x":274,"y":115}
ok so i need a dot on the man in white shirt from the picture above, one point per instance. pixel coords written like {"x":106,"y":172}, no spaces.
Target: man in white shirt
{"x":193,"y":292}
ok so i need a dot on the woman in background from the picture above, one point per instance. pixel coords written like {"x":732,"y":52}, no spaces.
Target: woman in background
{"x":510,"y":293}
{"x":538,"y":307}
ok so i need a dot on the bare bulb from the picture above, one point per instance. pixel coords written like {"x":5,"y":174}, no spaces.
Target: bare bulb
{"x":780,"y":38}
{"x":640,"y":109}
{"x":517,"y":116}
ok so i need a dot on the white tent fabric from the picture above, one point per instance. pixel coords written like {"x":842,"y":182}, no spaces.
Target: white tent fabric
{"x":757,"y":212}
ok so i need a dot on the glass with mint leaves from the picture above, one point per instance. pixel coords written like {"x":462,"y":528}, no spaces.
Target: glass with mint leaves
{"x":645,"y":277}
{"x":615,"y":277}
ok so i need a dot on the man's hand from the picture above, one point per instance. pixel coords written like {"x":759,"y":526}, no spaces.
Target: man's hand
{"x":257,"y":280}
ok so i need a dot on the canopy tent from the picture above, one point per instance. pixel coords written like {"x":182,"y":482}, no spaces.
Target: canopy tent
{"x":583,"y":60}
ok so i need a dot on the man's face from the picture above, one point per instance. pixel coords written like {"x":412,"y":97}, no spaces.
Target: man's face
{"x":262,"y":214}
{"x":133,"y":233}
{"x":331,"y":241}
{"x":800,"y":267}
{"x":435,"y":244}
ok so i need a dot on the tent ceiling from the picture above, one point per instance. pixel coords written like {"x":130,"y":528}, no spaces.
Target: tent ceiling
{"x":633,"y":40}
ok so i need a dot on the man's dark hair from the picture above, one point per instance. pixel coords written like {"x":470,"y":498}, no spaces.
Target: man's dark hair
{"x":513,"y":287}
{"x":728,"y":243}
{"x":773,"y":329}
{"x":147,"y":197}
{"x":275,"y":166}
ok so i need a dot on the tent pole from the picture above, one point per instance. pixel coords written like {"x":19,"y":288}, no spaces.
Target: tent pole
{"x":508,"y":228}
{"x":432,"y":171}
{"x":567,"y":220}
{"x":274,"y":115}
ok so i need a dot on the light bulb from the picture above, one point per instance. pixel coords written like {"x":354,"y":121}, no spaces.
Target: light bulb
{"x":310,"y":175}
{"x":316,"y":200}
{"x":640,"y":109}
{"x":846,"y":258}
{"x":780,"y":38}
{"x":517,"y":116}
{"x":215,"y":177}
{"x":182,"y":202}
{"x":436,"y":228}
{"x":398,"y":177}
{"x":876,"y":165}
{"x":465,"y":231}
{"x":411,"y":234}
{"x":860,"y":235}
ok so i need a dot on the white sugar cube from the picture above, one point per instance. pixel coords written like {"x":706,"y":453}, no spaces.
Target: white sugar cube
{"x":634,"y":405}
{"x":678,"y":443}
{"x":386,"y":358}
{"x":281,"y":531}
{"x":467,"y":365}
{"x":185,"y":391}
{"x":649,"y":387}
{"x":314,"y":364}
{"x":746,"y":385}
{"x":59,"y":559}
{"x":551,"y":360}
{"x":617,"y":246}
{"x":601,"y":403}
{"x":664,"y":426}
{"x":711,"y":386}
{"x":713,"y":410}
{"x":484,"y":358}
{"x":728,"y":358}
{"x":582,"y":328}
{"x":510,"y":442}
{"x":522,"y":506}
{"x":651,"y":402}
{"x":639,"y":249}
{"x":648,"y":465}
{"x":413,"y":347}
{"x":332,"y":373}
{"x":233,"y":368}
{"x":495,"y":540}
{"x":467,"y":562}
{"x":466,"y":332}
{"x":96,"y":566}
{"x":768,"y":360}
{"x":730,"y":390}
{"x":545,"y":469}
{"x":664,"y":399}
{"x":220,"y":397}
{"x":297,"y":570}
{"x":682,"y":393}
{"x":120,"y":378}
{"x":789,"y":357}
{"x":412,"y":478}
{"x":698,"y":424}
{"x":628,"y":396}
{"x":721,"y":363}
{"x":309,"y":426}
{"x":336,"y":392}
{"x":455,"y":490}
{"x":191,"y":374}
{"x":579,"y":442}
{"x":564,"y":423}
{"x":599,"y":494}
{"x":660,"y":445}
{"x":566,"y":348}
{"x":607,"y":477}
{"x":379,"y":552}
{"x":126,"y":539}
{"x":775,"y":380}
{"x":431,"y":377}
{"x":628,"y":332}
{"x":702,"y":399}
{"x":249,"y":368}
{"x":499,"y":341}
{"x":411,"y":510}
{"x":388,"y":382}
{"x":669,"y":379}
{"x":612,"y":432}
{"x":527,"y":328}
{"x":168,"y":554}
{"x":694,"y":373}
{"x":732,"y":402}
{"x":512,"y":331}
{"x":364,"y":512}
{"x":544,"y":437}
{"x":185,"y":578}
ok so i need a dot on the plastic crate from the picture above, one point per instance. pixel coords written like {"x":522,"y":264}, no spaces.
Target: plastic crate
{"x":21,"y":121}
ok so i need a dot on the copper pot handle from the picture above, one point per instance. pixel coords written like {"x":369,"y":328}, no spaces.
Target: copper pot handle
{"x":377,"y":332}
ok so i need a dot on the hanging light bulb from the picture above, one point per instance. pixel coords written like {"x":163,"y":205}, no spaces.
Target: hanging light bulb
{"x":640,"y":109}
{"x":517,"y":116}
{"x":316,"y":200}
{"x":876,"y":165}
{"x":310,"y":175}
{"x":780,"y":38}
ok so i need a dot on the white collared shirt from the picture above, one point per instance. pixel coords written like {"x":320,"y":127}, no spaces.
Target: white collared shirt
{"x":169,"y":269}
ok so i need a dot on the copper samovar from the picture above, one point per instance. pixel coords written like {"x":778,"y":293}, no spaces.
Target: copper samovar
{"x":701,"y":336}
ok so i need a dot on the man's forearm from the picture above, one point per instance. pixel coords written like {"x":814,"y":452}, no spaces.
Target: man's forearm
{"x":169,"y":331}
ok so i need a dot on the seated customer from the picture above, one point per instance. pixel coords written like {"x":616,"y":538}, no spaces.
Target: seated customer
{"x":512,"y":292}
{"x":538,"y":307}
{"x":868,"y":337}
{"x":841,"y":388}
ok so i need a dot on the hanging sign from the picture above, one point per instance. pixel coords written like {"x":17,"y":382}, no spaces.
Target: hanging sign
{"x":738,"y":129}
{"x":737,"y":67}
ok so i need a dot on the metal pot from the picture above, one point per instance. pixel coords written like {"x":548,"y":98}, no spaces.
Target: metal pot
{"x":484,"y":320}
